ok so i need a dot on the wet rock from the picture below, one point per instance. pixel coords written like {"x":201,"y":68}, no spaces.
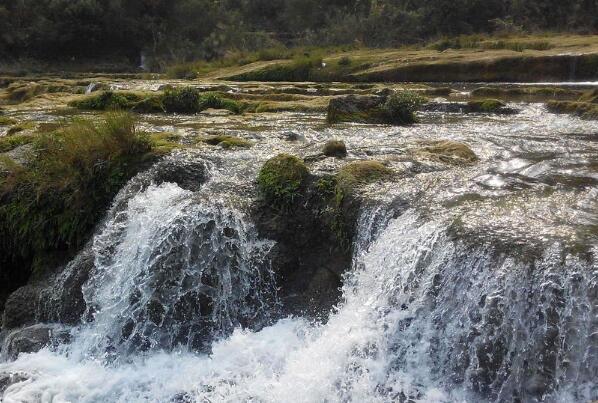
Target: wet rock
{"x":9,"y":379}
{"x":293,"y":136}
{"x":310,"y":255}
{"x":21,"y":307}
{"x":32,"y":339}
{"x":188,"y":174}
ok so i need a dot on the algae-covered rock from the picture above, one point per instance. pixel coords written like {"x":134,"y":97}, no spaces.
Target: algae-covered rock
{"x":335,"y":148}
{"x":281,"y":178}
{"x":227,"y":141}
{"x":149,"y":105}
{"x":359,"y":173}
{"x":355,"y":108}
{"x":448,"y":151}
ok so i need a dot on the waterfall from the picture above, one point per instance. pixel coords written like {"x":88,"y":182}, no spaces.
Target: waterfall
{"x":425,"y":317}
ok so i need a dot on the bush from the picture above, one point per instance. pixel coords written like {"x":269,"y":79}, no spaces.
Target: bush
{"x":53,"y":203}
{"x":281,"y":178}
{"x":400,"y":108}
{"x":335,"y":148}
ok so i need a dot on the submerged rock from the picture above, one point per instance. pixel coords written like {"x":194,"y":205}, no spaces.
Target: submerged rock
{"x":488,"y":106}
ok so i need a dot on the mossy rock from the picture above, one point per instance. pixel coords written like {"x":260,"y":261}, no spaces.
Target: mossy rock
{"x":18,"y":93}
{"x":227,"y":141}
{"x":281,"y":178}
{"x":335,"y":148}
{"x":149,"y":105}
{"x":447,"y":151}
{"x":486,"y":105}
{"x":398,"y":108}
{"x":359,"y":173}
{"x":584,"y":110}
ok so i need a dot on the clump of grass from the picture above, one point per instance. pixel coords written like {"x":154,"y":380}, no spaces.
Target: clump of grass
{"x":281,"y":178}
{"x":400,"y":108}
{"x":227,"y":141}
{"x":9,"y":143}
{"x":185,"y":100}
{"x":165,"y":142}
{"x":335,"y":148}
{"x":54,"y":202}
{"x":345,"y":61}
{"x":107,"y":100}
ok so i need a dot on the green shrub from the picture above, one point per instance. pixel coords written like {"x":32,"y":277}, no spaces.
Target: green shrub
{"x":53,"y":203}
{"x":281,"y":178}
{"x":335,"y":148}
{"x":400,"y":108}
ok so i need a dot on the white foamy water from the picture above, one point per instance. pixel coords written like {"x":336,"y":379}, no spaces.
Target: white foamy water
{"x":420,"y":314}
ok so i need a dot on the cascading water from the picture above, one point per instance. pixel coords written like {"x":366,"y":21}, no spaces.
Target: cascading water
{"x":424,"y":318}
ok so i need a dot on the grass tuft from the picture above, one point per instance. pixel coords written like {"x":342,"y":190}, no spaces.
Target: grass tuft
{"x":54,"y":202}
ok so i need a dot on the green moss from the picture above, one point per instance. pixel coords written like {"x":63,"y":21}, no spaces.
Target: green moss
{"x":400,"y":108}
{"x":281,"y":178}
{"x":359,"y":173}
{"x":227,"y":141}
{"x":107,"y":100}
{"x":54,"y":202}
{"x":165,"y":142}
{"x":486,"y":105}
{"x":335,"y":148}
{"x":9,"y":143}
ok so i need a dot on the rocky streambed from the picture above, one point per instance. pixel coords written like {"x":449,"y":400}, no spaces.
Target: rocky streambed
{"x":272,"y":249}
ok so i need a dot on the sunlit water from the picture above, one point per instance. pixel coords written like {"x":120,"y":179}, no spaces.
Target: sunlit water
{"x":484,"y":289}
